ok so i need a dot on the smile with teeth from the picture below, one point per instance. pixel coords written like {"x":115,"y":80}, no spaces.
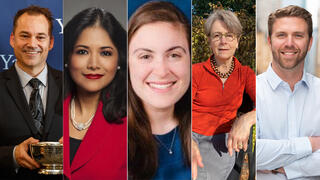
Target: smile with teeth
{"x":289,"y":53}
{"x":161,"y":85}
{"x":32,"y":52}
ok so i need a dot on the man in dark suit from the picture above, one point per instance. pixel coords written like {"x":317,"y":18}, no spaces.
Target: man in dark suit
{"x":30,"y":93}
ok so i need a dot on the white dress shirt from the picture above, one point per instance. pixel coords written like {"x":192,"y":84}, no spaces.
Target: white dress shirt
{"x":27,"y":89}
{"x":285,"y":120}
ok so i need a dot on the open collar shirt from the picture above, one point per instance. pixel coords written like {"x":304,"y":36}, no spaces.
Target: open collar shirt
{"x":285,"y":120}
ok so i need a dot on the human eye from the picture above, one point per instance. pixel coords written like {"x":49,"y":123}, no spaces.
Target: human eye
{"x":281,"y":35}
{"x":106,"y":53}
{"x":230,"y":35}
{"x":41,"y":38}
{"x":81,"y":52}
{"x":216,"y":36}
{"x":299,"y":36}
{"x":145,"y":57}
{"x":174,"y":55}
{"x":24,"y":36}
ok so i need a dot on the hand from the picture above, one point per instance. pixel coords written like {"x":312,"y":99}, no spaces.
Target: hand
{"x":61,"y":140}
{"x":240,"y":131}
{"x":22,"y":157}
{"x":280,"y":170}
{"x":196,"y":160}
{"x":315,"y":143}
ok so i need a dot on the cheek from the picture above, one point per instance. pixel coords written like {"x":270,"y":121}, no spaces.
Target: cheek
{"x":182,"y":70}
{"x":76,"y":65}
{"x":138,"y":73}
{"x":109,"y":65}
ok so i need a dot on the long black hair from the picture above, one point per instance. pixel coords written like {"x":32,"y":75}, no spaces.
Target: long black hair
{"x":114,"y":95}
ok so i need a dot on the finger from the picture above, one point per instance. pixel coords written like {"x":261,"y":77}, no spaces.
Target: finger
{"x":31,"y":140}
{"x":230,"y":149}
{"x":194,"y":170}
{"x":245,"y":145}
{"x":25,"y":164}
{"x":61,"y":140}
{"x":235,"y":145}
{"x":199,"y":161}
{"x":30,"y":161}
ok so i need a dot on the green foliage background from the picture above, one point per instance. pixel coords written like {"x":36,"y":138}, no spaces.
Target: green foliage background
{"x":245,"y":11}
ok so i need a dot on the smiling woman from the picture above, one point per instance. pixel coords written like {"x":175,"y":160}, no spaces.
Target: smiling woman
{"x":95,"y":97}
{"x":159,"y":93}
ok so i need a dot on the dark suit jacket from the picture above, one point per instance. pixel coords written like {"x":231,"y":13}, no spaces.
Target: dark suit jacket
{"x":102,"y":153}
{"x":16,"y":123}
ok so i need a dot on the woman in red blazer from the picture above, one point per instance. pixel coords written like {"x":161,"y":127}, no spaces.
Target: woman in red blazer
{"x":95,"y":128}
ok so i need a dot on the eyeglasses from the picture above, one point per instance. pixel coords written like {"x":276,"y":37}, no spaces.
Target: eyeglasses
{"x":218,"y":36}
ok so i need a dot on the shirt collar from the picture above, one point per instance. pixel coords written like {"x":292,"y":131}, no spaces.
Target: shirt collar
{"x":275,"y":80}
{"x":25,"y":77}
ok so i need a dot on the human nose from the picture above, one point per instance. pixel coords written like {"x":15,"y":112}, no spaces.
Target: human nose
{"x":32,"y":42}
{"x":223,"y":39}
{"x":289,"y":41}
{"x":93,"y":62}
{"x":161,"y":67}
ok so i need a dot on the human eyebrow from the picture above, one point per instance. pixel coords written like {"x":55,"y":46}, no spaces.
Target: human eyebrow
{"x":106,"y":47}
{"x":142,"y":49}
{"x":81,"y":46}
{"x":176,"y":47}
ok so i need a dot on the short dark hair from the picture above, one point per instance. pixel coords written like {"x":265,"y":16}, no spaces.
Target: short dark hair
{"x":114,"y":95}
{"x":290,"y":11}
{"x":34,"y":10}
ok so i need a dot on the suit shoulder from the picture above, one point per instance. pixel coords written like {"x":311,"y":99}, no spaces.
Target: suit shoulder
{"x":55,"y":72}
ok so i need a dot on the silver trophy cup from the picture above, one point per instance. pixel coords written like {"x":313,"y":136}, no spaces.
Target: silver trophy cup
{"x":49,"y":155}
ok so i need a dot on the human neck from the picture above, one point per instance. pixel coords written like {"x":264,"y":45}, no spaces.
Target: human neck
{"x":162,"y":120}
{"x":32,"y":71}
{"x":86,"y":102}
{"x":291,"y":76}
{"x":224,"y":62}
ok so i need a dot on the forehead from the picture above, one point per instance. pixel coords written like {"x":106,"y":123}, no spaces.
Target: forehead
{"x":95,"y":35}
{"x":290,"y":25}
{"x":35,"y":23}
{"x":219,"y":26}
{"x":159,"y":35}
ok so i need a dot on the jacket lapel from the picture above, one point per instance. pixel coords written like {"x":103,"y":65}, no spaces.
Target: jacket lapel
{"x":53,"y":94}
{"x":93,"y":140}
{"x":16,"y":92}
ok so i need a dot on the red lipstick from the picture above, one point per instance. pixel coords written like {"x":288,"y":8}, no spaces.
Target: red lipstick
{"x":93,"y":76}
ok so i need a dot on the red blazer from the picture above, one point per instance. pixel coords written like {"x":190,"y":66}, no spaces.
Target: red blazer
{"x":102,"y":153}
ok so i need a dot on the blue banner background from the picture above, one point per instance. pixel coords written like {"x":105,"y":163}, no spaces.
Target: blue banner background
{"x":8,"y":9}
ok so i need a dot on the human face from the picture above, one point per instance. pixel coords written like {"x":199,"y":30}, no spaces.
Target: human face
{"x":94,"y":60}
{"x":223,"y":50}
{"x":159,"y":64}
{"x":31,"y":42}
{"x":289,"y":42}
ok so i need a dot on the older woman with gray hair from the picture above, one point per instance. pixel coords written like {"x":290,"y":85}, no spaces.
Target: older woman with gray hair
{"x":218,"y":85}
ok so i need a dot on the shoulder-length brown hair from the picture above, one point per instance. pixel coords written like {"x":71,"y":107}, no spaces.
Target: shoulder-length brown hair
{"x":143,"y":155}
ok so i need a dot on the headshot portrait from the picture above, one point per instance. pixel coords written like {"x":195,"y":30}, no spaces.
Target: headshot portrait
{"x":159,"y":112}
{"x":95,"y":93}
{"x":223,"y":91}
{"x":30,"y":87}
{"x":288,"y":101}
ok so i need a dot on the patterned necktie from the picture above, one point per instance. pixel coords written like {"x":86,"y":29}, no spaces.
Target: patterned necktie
{"x":35,"y":105}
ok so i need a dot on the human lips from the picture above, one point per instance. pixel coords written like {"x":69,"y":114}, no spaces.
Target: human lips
{"x":93,"y":76}
{"x":161,"y":85}
{"x":32,"y":51}
{"x":289,"y":52}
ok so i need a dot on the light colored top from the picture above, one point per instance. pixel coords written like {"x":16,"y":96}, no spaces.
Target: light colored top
{"x":27,"y":89}
{"x":285,"y":120}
